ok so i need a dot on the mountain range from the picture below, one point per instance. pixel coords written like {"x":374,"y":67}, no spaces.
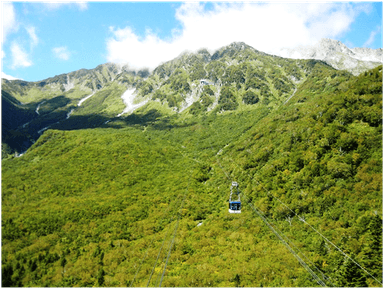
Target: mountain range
{"x":113,"y":177}
{"x":193,"y":82}
{"x":338,"y":55}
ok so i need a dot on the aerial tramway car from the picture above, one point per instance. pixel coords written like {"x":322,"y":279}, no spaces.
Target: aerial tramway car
{"x":235,"y":206}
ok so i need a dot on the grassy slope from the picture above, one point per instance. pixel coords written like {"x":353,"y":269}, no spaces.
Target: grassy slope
{"x":98,"y":203}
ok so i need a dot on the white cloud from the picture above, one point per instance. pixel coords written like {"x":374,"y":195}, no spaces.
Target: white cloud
{"x":8,"y":77}
{"x":82,"y":5}
{"x":9,"y":20}
{"x":32,"y":34}
{"x":265,"y":26}
{"x":372,"y":36}
{"x":61,"y":52}
{"x":57,"y":5}
{"x":19,"y":57}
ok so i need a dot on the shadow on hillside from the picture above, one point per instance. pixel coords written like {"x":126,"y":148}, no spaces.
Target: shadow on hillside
{"x":60,"y":120}
{"x":21,"y":123}
{"x":153,"y":118}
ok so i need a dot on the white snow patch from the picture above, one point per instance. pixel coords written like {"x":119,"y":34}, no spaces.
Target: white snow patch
{"x":291,"y":96}
{"x":128,"y":98}
{"x":25,"y":124}
{"x":69,"y":113}
{"x":17,"y":155}
{"x":85,"y":98}
{"x":217,"y":96}
{"x":38,"y":107}
{"x":69,"y":84}
{"x":189,"y":100}
{"x":43,"y":129}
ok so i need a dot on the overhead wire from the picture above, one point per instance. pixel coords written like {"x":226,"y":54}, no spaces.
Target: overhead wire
{"x":165,"y":237}
{"x":146,"y":252}
{"x":175,"y":231}
{"x":325,"y":277}
{"x":173,"y":239}
{"x":303,"y":220}
{"x":158,"y":255}
{"x":301,"y":261}
{"x":274,"y":230}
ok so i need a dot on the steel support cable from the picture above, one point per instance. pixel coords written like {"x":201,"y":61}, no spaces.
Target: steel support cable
{"x":161,"y":248}
{"x":165,"y":237}
{"x":158,"y":255}
{"x":146,"y":252}
{"x":325,"y":277}
{"x":166,"y":256}
{"x":174,"y":233}
{"x":284,"y":242}
{"x":325,"y":238}
{"x":302,"y":262}
{"x":303,"y":220}
{"x":162,"y":262}
{"x":305,"y":265}
{"x":170,"y":249}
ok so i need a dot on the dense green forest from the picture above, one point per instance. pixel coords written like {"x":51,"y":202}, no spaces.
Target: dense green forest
{"x":143,"y":200}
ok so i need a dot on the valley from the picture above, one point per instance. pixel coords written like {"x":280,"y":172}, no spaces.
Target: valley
{"x":125,"y":175}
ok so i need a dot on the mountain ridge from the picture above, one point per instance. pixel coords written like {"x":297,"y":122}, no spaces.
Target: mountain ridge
{"x":236,"y":76}
{"x":93,"y":206}
{"x":338,"y":55}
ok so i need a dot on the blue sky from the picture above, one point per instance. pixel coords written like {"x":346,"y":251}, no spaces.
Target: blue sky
{"x":41,"y":40}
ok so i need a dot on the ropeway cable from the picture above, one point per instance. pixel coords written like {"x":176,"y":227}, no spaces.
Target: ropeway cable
{"x":173,"y":240}
{"x":301,"y":261}
{"x":303,"y":220}
{"x":165,"y":237}
{"x":325,"y":238}
{"x":325,"y":277}
{"x":174,"y":234}
{"x":158,"y":255}
{"x":161,"y":248}
{"x":146,"y":252}
{"x":284,"y":242}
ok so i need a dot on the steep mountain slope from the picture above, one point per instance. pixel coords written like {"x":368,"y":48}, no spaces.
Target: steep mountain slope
{"x":145,"y":201}
{"x":338,"y":55}
{"x":235,"y":77}
{"x":68,"y":101}
{"x":14,"y":115}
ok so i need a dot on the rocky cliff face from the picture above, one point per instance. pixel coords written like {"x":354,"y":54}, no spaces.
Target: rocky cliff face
{"x":338,"y":55}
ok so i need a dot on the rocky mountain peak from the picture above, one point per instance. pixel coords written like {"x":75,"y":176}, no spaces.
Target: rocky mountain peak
{"x":338,"y":55}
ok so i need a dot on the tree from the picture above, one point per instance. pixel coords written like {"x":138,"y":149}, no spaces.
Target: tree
{"x":350,"y":274}
{"x":250,"y":97}
{"x":100,"y":277}
{"x":6,"y":275}
{"x":373,"y":248}
{"x":227,"y":100}
{"x":237,"y":280}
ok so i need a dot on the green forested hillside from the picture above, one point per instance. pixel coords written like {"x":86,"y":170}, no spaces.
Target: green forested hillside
{"x":143,"y":201}
{"x":235,"y":77}
{"x":60,"y":103}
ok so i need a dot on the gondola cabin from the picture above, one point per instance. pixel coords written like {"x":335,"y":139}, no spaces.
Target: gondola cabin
{"x":235,"y":207}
